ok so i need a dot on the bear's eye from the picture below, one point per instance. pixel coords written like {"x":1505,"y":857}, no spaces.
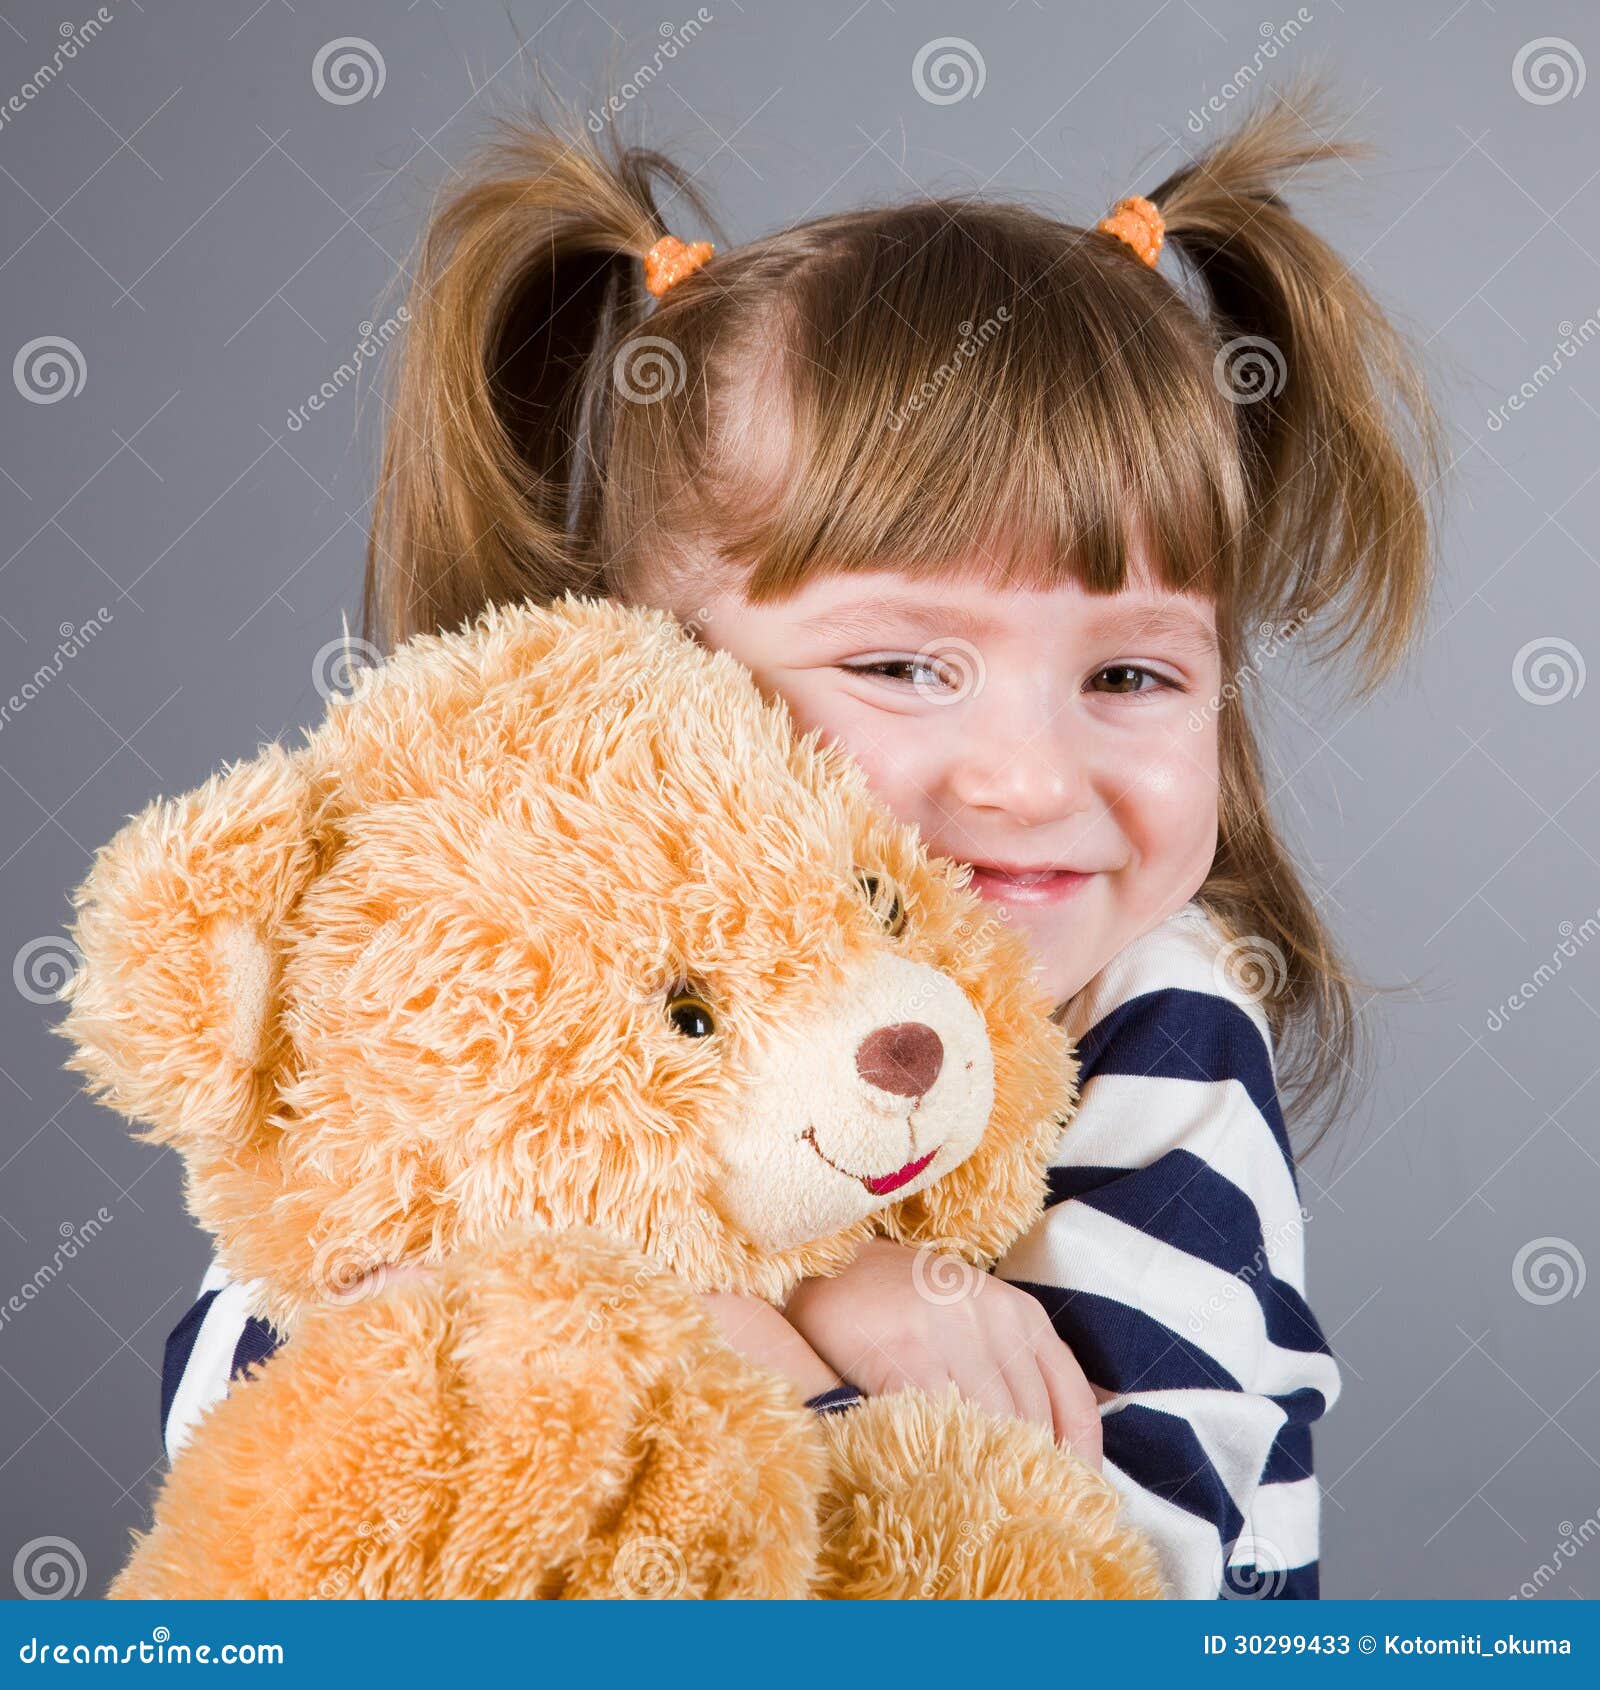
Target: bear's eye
{"x":884,"y":897}
{"x":690,"y":1014}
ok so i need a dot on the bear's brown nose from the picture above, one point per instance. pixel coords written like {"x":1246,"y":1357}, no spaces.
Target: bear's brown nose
{"x":904,"y":1058}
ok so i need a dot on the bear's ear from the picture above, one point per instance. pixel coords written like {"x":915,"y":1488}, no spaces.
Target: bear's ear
{"x":172,"y":1008}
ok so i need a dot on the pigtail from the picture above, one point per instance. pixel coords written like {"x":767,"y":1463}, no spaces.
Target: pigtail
{"x":522,"y":277}
{"x":1339,"y":447}
{"x":1339,"y":441}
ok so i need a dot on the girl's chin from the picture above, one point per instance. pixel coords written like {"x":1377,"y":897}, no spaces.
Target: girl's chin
{"x":1064,"y":942}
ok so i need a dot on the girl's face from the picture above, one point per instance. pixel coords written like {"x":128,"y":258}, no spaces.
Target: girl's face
{"x":1062,"y":742}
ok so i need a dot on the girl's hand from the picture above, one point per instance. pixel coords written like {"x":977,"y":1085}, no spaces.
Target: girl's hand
{"x":760,"y":1333}
{"x":886,"y":1327}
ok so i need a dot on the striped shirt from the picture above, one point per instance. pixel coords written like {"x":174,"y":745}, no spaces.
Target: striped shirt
{"x":1171,"y":1259}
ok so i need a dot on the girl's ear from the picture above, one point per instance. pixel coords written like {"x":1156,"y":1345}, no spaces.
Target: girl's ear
{"x":173,"y":1007}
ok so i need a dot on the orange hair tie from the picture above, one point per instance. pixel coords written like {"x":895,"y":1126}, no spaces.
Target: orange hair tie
{"x":1137,"y":223}
{"x":669,"y":261}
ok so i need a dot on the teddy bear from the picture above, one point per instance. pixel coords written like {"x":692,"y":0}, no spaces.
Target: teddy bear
{"x":555,"y":960}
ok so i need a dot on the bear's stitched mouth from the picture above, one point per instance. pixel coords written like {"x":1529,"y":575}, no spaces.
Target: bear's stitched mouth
{"x":880,"y":1185}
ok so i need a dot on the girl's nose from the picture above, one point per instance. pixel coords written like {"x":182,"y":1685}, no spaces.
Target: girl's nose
{"x":1033,"y":777}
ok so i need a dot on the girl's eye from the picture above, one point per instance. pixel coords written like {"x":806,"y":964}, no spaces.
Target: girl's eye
{"x":884,"y":897}
{"x":691,"y":1015}
{"x":1127,"y":678}
{"x":906,"y":671}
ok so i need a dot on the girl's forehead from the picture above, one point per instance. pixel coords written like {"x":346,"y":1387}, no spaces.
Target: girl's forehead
{"x":972,"y":603}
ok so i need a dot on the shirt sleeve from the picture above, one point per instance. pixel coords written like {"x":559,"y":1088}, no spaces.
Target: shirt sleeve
{"x":213,"y":1344}
{"x":1171,"y":1261}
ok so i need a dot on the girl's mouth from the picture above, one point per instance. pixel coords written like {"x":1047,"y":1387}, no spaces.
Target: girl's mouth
{"x":880,"y":1185}
{"x":1026,"y":886}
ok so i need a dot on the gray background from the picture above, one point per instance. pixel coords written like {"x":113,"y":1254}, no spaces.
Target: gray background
{"x":210,"y":233}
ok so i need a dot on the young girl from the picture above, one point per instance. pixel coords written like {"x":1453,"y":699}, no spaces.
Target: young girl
{"x":993,"y":502}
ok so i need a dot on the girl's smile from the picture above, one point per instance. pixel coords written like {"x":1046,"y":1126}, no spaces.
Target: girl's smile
{"x":1010,"y":885}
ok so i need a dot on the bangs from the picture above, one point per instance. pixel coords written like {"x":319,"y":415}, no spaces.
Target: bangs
{"x":962,"y":391}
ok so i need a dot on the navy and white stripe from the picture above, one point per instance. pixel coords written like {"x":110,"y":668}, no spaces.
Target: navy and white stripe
{"x":1171,"y":1260}
{"x":214,"y":1343}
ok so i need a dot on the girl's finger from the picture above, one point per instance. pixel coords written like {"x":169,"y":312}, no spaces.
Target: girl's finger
{"x":1072,"y":1404}
{"x":1025,"y":1381}
{"x":985,"y":1386}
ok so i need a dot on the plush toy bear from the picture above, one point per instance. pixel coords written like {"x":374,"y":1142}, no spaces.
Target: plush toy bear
{"x":556,"y":960}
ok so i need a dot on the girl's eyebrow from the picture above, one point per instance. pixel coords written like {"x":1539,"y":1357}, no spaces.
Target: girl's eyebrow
{"x":1178,"y":623}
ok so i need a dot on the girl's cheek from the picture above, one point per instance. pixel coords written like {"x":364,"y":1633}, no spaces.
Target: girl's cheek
{"x":889,"y":755}
{"x":1169,"y":805}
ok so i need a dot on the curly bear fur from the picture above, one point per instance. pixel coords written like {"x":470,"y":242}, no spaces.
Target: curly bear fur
{"x":556,"y":960}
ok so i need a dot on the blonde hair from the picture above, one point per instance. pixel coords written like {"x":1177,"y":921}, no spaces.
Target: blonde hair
{"x":1262,"y":428}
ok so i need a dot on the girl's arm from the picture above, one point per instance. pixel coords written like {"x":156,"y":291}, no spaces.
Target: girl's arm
{"x":219,"y":1338}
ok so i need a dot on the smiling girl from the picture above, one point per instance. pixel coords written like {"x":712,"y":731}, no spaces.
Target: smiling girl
{"x":995,"y":504}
